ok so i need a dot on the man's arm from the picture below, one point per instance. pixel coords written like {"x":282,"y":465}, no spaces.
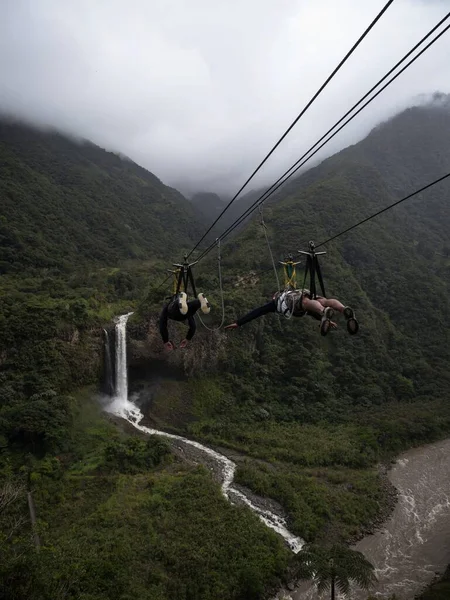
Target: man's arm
{"x":192,"y":327}
{"x":163,"y":324}
{"x":257,"y":312}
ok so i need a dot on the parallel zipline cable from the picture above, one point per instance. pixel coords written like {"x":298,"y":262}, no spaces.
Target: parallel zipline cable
{"x":296,"y":166}
{"x":379,"y":212}
{"x":163,"y":282}
{"x":292,"y":125}
{"x":376,"y":214}
{"x":369,"y":218}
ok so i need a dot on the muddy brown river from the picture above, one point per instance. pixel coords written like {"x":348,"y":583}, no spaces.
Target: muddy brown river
{"x":414,"y":544}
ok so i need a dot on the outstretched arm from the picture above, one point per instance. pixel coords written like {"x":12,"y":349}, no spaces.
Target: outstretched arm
{"x":163,"y":324}
{"x":255,"y":313}
{"x":192,"y":327}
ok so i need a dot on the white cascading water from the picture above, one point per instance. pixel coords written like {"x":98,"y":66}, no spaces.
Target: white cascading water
{"x":122,"y":407}
{"x":108,"y":370}
{"x":121,"y":391}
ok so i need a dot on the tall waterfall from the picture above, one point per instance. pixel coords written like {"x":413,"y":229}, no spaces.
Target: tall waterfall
{"x":121,"y":391}
{"x":122,"y":407}
{"x":108,"y":368}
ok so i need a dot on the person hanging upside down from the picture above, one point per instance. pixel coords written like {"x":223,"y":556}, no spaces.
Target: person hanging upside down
{"x":298,"y":303}
{"x":179,"y":309}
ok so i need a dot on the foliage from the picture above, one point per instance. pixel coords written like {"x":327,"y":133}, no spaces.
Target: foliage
{"x":134,"y":455}
{"x":39,"y":424}
{"x":334,"y":567}
{"x":161,"y":530}
{"x":66,"y":202}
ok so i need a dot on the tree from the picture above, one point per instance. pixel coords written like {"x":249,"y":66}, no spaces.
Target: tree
{"x":15,"y":541}
{"x":334,"y":568}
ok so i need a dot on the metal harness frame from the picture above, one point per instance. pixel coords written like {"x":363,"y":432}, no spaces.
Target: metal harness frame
{"x":313,"y":268}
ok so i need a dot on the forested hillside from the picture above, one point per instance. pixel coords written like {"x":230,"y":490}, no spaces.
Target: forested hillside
{"x":80,"y":231}
{"x":66,"y":202}
{"x":209,"y":204}
{"x":394,"y":269}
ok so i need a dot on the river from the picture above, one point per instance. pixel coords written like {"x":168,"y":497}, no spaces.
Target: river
{"x":414,"y":543}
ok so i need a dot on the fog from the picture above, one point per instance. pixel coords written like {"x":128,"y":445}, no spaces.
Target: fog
{"x":198,"y":91}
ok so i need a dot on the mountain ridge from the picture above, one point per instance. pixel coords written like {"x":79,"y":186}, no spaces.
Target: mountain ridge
{"x":92,"y":204}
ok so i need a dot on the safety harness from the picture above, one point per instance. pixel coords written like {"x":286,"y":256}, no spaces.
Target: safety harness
{"x":290,"y":274}
{"x":312,"y":268}
{"x":183,"y":276}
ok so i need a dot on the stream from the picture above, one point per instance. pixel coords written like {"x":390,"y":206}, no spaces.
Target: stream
{"x":123,"y":407}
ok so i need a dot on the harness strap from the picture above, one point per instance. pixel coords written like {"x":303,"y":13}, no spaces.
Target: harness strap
{"x":320,"y":278}
{"x":312,"y":268}
{"x":183,"y":276}
{"x":290,"y":273}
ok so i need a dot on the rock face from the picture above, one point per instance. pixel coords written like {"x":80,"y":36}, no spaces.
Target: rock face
{"x":201,"y":355}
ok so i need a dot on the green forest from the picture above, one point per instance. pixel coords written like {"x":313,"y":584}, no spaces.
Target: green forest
{"x":86,"y":235}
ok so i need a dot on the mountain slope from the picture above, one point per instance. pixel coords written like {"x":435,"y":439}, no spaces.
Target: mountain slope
{"x":392,"y":265}
{"x":208,"y":204}
{"x":64,"y":202}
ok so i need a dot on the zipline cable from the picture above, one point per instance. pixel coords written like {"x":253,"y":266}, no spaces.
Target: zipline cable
{"x":163,"y":282}
{"x":292,"y":125}
{"x":383,"y":210}
{"x":297,"y":166}
{"x":287,"y":173}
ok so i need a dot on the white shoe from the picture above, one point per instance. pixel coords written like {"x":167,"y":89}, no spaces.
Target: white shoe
{"x":182,"y":303}
{"x":204,"y":304}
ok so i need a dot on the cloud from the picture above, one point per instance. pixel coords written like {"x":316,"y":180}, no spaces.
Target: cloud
{"x":198,"y":91}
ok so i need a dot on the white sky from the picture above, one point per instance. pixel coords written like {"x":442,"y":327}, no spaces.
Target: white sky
{"x":198,"y":91}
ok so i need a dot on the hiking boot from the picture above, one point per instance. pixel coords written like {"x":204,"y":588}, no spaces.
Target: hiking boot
{"x":204,"y":304}
{"x":352,"y":323}
{"x":325,"y":324}
{"x":182,"y":303}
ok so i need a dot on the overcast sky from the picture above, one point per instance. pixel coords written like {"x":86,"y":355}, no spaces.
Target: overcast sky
{"x":198,"y":91}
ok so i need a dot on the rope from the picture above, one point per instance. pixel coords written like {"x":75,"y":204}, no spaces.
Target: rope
{"x":383,"y":210}
{"x":292,"y":125}
{"x":296,"y":166}
{"x":163,"y":282}
{"x":219,"y":258}
{"x":263,"y":225}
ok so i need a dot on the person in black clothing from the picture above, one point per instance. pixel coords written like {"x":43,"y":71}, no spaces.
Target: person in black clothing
{"x":179,"y":309}
{"x":298,"y":303}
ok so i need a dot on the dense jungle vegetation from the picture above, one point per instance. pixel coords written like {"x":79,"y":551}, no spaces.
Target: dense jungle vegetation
{"x":86,"y":235}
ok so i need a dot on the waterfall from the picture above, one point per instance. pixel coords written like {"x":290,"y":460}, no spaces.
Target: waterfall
{"x":121,"y":388}
{"x":122,"y":407}
{"x":108,"y":368}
